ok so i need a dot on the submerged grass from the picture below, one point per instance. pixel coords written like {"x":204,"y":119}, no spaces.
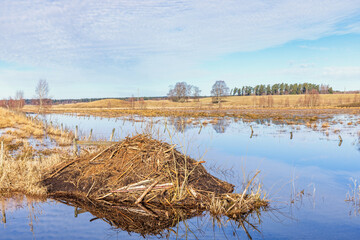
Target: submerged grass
{"x":24,"y":160}
{"x":353,"y":196}
{"x":283,"y":115}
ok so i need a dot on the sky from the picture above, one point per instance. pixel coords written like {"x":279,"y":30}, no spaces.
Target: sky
{"x":110,"y":48}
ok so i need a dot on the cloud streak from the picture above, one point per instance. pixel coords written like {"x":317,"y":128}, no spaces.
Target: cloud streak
{"x":153,"y":43}
{"x":103,"y":32}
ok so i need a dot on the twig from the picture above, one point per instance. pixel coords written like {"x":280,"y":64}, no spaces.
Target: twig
{"x":117,"y":149}
{"x":125,"y":171}
{"x":134,"y":184}
{"x":102,"y":152}
{"x":146,"y":192}
{"x":245,"y":190}
{"x":170,"y":148}
{"x":90,"y":188}
{"x":142,"y":187}
{"x":113,"y":153}
{"x":62,"y":168}
{"x":146,"y":210}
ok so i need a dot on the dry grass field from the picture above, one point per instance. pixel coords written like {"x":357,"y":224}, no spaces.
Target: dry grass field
{"x":290,"y":101}
{"x":105,"y":103}
{"x":231,"y":102}
{"x":23,"y":153}
{"x":284,"y":107}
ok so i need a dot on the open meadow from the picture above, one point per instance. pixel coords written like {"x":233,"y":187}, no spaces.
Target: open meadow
{"x":286,"y":108}
{"x":229,"y":102}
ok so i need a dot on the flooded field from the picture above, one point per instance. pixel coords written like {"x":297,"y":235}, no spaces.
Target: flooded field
{"x":309,"y":172}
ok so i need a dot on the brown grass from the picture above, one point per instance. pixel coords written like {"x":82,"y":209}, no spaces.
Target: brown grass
{"x":276,"y":101}
{"x":24,"y":127}
{"x":24,"y":175}
{"x":285,"y":108}
{"x":22,"y":166}
{"x":105,"y":103}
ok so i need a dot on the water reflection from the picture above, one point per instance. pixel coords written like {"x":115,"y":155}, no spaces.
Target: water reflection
{"x":181,"y":124}
{"x":220,"y":125}
{"x":143,"y":219}
{"x":166,"y":222}
{"x":353,"y":197}
{"x":16,"y":202}
{"x":148,"y":221}
{"x":322,"y":170}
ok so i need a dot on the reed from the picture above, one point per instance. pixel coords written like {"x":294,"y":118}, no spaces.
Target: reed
{"x":22,"y":165}
{"x":24,"y":174}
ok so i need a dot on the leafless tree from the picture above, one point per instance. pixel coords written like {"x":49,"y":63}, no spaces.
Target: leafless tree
{"x":180,"y":93}
{"x":19,"y":98}
{"x":196,"y":93}
{"x":42,"y":92}
{"x":221,"y":125}
{"x":312,"y":98}
{"x":324,"y":89}
{"x":219,"y":91}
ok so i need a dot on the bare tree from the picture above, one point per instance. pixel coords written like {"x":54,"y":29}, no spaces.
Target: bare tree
{"x":324,"y":89}
{"x":19,"y":98}
{"x":196,"y":93}
{"x":180,"y":93}
{"x":42,"y":92}
{"x":219,"y":91}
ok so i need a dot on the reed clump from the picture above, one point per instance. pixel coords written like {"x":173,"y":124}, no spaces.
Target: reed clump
{"x":23,"y":175}
{"x":141,"y":169}
{"x":23,"y":155}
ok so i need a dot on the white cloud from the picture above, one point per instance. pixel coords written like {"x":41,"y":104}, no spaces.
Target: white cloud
{"x":342,"y":73}
{"x":124,"y":45}
{"x":314,"y":48}
{"x":114,"y":32}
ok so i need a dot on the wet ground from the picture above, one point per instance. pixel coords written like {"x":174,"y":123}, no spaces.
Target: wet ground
{"x":307,"y":172}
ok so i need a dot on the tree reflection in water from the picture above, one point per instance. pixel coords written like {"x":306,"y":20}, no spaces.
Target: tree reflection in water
{"x":220,"y":125}
{"x":181,"y":124}
{"x":19,"y":201}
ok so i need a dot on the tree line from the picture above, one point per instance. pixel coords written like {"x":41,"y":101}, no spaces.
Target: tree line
{"x":183,"y":91}
{"x":282,"y":89}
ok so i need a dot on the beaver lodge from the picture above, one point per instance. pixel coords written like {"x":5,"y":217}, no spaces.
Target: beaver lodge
{"x":143,"y":177}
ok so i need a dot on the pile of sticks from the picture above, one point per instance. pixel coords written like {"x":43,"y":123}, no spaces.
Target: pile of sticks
{"x":137,"y":170}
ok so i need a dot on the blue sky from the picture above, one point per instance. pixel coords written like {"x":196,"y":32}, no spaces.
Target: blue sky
{"x":119,"y":48}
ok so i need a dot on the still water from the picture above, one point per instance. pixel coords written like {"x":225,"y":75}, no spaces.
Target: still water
{"x":306,"y":172}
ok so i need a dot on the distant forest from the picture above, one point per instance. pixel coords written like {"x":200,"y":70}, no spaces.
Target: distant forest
{"x":282,"y":89}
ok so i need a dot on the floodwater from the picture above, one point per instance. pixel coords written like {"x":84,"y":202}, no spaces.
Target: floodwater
{"x":309,"y":175}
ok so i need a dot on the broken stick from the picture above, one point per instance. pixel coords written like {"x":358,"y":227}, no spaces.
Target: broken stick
{"x":146,"y":192}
